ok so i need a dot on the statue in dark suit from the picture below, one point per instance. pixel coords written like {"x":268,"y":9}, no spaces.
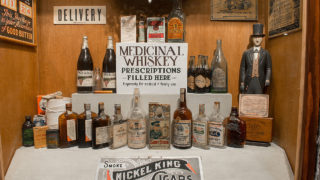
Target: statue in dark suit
{"x":256,"y":65}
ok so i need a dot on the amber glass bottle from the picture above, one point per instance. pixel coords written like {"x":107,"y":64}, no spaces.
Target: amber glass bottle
{"x":85,"y":127}
{"x":68,"y":123}
{"x":236,"y":130}
{"x":182,"y":124}
{"x":176,"y":23}
{"x":101,"y":128}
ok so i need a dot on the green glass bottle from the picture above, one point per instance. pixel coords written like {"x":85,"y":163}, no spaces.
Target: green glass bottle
{"x":27,"y":132}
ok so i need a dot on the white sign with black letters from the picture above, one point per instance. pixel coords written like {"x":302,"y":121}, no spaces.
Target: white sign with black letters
{"x":79,"y":15}
{"x":155,"y":68}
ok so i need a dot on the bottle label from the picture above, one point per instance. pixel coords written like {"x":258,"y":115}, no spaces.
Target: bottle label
{"x":71,"y":130}
{"x":109,"y":80}
{"x":208,"y":82}
{"x":200,"y":132}
{"x":200,"y":81}
{"x":28,"y":137}
{"x":85,"y":78}
{"x":191,"y":82}
{"x":119,"y":135}
{"x":137,"y":133}
{"x":182,"y":133}
{"x":88,"y":130}
{"x":216,"y":134}
{"x":175,"y":28}
{"x":218,"y":78}
{"x":102,"y":135}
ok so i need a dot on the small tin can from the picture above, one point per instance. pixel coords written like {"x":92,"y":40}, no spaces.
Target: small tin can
{"x":52,"y":138}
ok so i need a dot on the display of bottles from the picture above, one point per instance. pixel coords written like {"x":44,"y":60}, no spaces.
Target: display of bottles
{"x":85,"y":127}
{"x":219,"y":80}
{"x":137,"y":128}
{"x":101,"y":126}
{"x":217,"y":132}
{"x":208,"y":74}
{"x":200,"y":128}
{"x":109,"y":68}
{"x":182,"y":124}
{"x":27,"y":132}
{"x":119,"y":129}
{"x":68,"y":124}
{"x":141,"y":32}
{"x":85,"y":69}
{"x":236,"y":130}
{"x":191,"y":73}
{"x":97,"y":79}
{"x":176,"y":23}
{"x":200,"y":76}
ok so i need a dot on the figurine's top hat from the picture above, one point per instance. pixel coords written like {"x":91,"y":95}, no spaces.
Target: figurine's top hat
{"x":258,"y":30}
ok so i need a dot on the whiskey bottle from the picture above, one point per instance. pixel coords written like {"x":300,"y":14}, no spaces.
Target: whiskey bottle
{"x":141,"y":32}
{"x":208,"y":74}
{"x":216,"y":126}
{"x":176,"y":23}
{"x":191,"y":73}
{"x":109,"y":68}
{"x":200,"y":76}
{"x":200,"y":129}
{"x":182,"y":124}
{"x":27,"y":132}
{"x":137,"y":136}
{"x":119,"y":129}
{"x":219,"y":80}
{"x":101,"y":136}
{"x":85,"y":69}
{"x":85,"y":127}
{"x":68,"y":123}
{"x":236,"y":130}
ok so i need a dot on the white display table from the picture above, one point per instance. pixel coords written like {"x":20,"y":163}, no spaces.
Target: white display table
{"x":249,"y":163}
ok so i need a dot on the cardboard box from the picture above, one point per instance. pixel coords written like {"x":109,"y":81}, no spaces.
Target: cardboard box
{"x":40,"y":136}
{"x":258,"y":129}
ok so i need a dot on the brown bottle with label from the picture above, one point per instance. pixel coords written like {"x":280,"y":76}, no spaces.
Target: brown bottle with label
{"x":85,"y":127}
{"x":68,"y":124}
{"x":191,"y":73}
{"x":176,"y":23}
{"x":236,"y":130}
{"x":101,"y":129}
{"x":182,"y":124}
{"x":200,"y":76}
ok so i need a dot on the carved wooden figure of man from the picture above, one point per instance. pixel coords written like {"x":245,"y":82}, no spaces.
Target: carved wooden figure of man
{"x":256,"y":65}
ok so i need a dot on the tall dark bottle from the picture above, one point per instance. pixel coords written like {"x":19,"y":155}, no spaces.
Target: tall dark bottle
{"x":85,"y":69}
{"x":109,"y":68}
{"x":191,"y":73}
{"x":200,"y":76}
{"x":27,"y":132}
{"x":85,"y":127}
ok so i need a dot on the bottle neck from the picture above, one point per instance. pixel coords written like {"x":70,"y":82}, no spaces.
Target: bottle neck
{"x":101,"y":111}
{"x":85,"y":43}
{"x":234,"y":113}
{"x":183,"y":101}
{"x":216,"y":108}
{"x":136,"y":101}
{"x":110,"y":44}
{"x":177,"y":4}
{"x":201,"y":110}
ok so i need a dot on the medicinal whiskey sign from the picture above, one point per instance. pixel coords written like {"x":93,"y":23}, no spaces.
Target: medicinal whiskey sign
{"x":17,"y":20}
{"x":79,"y":14}
{"x":155,"y":68}
{"x":150,"y":168}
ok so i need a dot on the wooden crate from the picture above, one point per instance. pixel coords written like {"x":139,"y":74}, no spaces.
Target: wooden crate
{"x":258,"y":129}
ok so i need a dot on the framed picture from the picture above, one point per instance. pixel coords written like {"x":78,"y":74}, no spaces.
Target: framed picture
{"x":18,"y":21}
{"x":234,"y":10}
{"x":284,"y":16}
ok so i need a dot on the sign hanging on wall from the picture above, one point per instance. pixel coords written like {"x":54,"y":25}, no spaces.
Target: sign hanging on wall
{"x":79,"y":15}
{"x":149,"y":168}
{"x":17,"y":21}
{"x":155,"y":68}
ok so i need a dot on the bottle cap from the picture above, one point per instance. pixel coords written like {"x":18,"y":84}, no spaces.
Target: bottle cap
{"x":217,"y":103}
{"x":68,"y":105}
{"x":28,"y":117}
{"x":101,"y":105}
{"x":109,"y":37}
{"x":85,"y":37}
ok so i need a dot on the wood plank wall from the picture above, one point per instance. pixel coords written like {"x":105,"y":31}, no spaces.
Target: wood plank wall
{"x":19,"y":86}
{"x":60,"y":44}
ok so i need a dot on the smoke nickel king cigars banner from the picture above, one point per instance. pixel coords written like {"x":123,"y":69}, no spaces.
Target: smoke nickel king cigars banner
{"x":155,"y":68}
{"x":188,"y":168}
{"x":79,"y":14}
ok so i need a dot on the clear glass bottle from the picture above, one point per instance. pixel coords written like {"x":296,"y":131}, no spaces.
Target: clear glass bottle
{"x":176,"y":23}
{"x":217,"y":131}
{"x":236,"y":130}
{"x":85,"y":127}
{"x":101,"y":129}
{"x":119,"y":129}
{"x":141,"y":32}
{"x":200,"y":129}
{"x":68,"y":123}
{"x":191,"y":73}
{"x":208,"y":74}
{"x":97,"y":79}
{"x":182,"y":124}
{"x":109,"y":68}
{"x":219,"y":66}
{"x":27,"y":132}
{"x":85,"y":69}
{"x":200,"y":76}
{"x":137,"y":125}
